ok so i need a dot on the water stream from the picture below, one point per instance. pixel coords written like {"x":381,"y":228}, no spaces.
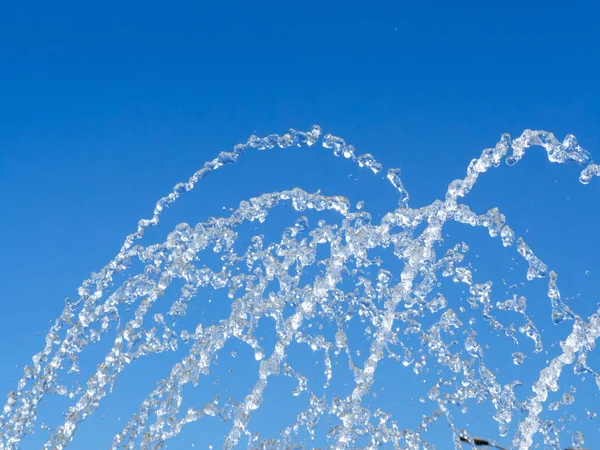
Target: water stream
{"x":315,"y":273}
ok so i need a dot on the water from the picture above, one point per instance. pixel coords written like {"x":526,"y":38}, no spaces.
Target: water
{"x":323,"y":286}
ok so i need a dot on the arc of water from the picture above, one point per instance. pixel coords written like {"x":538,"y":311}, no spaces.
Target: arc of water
{"x":568,"y":151}
{"x":20,"y":407}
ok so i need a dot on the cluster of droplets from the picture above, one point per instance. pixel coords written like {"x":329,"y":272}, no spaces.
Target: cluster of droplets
{"x":395,"y":312}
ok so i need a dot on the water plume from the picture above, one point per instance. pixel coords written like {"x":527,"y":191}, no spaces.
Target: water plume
{"x":324,"y":273}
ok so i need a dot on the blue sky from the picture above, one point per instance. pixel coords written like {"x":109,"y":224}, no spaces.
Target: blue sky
{"x":104,"y":108}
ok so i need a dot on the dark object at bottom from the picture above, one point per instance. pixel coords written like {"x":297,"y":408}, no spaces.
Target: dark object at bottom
{"x":478,"y":441}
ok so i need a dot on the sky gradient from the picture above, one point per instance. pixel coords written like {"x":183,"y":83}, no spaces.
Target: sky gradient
{"x":104,"y":108}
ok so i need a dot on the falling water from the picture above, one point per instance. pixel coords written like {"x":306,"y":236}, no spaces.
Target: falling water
{"x":321,"y":274}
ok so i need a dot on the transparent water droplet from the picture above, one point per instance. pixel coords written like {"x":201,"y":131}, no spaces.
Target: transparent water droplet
{"x":578,"y":439}
{"x":393,"y":176}
{"x":518,"y":358}
{"x":341,"y":340}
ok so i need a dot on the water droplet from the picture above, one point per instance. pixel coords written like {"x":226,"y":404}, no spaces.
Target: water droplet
{"x":518,"y":358}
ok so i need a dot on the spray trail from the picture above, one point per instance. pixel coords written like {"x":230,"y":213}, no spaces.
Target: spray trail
{"x":414,"y":306}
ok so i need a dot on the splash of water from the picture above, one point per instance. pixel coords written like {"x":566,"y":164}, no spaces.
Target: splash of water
{"x":392,"y":311}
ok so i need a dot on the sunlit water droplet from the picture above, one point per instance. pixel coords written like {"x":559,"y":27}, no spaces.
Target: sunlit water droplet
{"x":518,"y":358}
{"x":578,"y":439}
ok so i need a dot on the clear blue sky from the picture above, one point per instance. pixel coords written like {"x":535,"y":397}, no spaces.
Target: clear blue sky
{"x":103,"y":108}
